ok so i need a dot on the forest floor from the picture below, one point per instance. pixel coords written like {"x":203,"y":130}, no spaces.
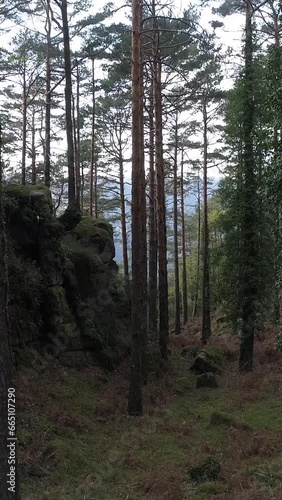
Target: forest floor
{"x":77,"y":442}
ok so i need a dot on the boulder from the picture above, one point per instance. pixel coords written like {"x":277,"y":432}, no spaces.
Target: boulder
{"x":207,"y":380}
{"x":209,"y":359}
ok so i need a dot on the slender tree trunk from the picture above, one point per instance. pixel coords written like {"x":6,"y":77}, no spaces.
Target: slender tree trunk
{"x":175,"y":236}
{"x":195,"y":308}
{"x":161,"y":207}
{"x":5,"y":359}
{"x":74,"y":141}
{"x":47,"y":145}
{"x":206,"y":321}
{"x":82,"y":187}
{"x":77,"y":158}
{"x":139,"y":268}
{"x":123,"y":212}
{"x":68,"y":105}
{"x":24,"y":137}
{"x":153,"y":237}
{"x":93,"y":165}
{"x":184,"y":264}
{"x":277,"y":152}
{"x":249,"y":225}
{"x":33,"y":150}
{"x":145,"y":352}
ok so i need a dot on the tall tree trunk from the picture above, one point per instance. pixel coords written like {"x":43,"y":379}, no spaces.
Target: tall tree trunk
{"x":249,"y":225}
{"x":24,"y":135}
{"x":68,"y":105}
{"x":206,"y":321}
{"x":161,"y":207}
{"x":77,"y":158}
{"x":175,"y":235}
{"x":74,"y":141}
{"x":277,"y":152}
{"x":123,"y":212}
{"x":184,"y":264}
{"x":47,"y":145}
{"x":93,"y":165}
{"x":82,"y":187}
{"x":139,"y":268}
{"x":33,"y":150}
{"x":153,"y":237}
{"x":195,"y":307}
{"x":5,"y":360}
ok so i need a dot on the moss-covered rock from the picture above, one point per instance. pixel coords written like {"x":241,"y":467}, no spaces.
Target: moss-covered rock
{"x":96,"y":234}
{"x":209,"y":359}
{"x":66,"y":298}
{"x":43,"y":190}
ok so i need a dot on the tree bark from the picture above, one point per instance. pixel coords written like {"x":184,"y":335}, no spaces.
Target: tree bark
{"x":206,"y":320}
{"x":139,"y":268}
{"x":123,"y":212}
{"x":93,"y":165}
{"x":24,"y":136}
{"x":47,"y":145}
{"x":161,"y":207}
{"x":175,"y":235}
{"x":77,"y":158}
{"x":33,"y":150}
{"x":184,"y":264}
{"x":68,"y":105}
{"x":249,"y":226}
{"x":195,"y":307}
{"x":153,"y":237}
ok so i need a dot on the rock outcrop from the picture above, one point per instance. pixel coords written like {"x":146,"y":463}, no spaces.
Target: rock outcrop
{"x":66,"y":297}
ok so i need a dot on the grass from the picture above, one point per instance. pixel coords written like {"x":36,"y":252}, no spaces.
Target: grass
{"x":77,"y":442}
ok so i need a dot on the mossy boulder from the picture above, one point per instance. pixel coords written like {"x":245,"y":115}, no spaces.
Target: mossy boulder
{"x":208,"y":470}
{"x":209,"y":359}
{"x":96,"y":235}
{"x":41,"y":198}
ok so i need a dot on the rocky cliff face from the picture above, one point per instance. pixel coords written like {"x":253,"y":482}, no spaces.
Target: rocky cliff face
{"x":66,"y":297}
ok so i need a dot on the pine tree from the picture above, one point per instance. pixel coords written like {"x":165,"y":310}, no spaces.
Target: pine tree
{"x":249,"y":222}
{"x":139,"y":251}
